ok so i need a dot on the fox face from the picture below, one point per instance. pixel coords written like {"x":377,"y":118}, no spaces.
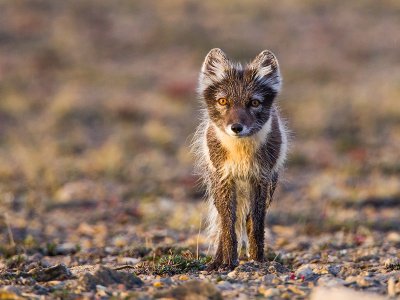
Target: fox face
{"x":239,"y":99}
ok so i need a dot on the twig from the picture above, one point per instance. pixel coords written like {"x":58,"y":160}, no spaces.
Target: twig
{"x":198,"y":236}
{"x":276,"y":256}
{"x":10,"y":234}
{"x":124,"y":267}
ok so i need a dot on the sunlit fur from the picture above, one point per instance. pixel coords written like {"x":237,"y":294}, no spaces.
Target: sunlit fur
{"x":241,"y":156}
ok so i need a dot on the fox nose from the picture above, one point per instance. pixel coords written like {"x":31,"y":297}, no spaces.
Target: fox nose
{"x":237,"y":128}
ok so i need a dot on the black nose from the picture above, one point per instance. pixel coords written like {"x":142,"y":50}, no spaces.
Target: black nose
{"x":237,"y":128}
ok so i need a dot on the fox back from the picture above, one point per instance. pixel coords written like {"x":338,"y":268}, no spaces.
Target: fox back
{"x":241,"y":146}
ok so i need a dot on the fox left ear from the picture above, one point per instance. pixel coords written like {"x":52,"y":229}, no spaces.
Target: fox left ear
{"x":214,"y":68}
{"x":267,"y":70}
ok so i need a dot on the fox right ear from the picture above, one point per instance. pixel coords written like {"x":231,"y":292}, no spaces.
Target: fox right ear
{"x":267,"y":69}
{"x":214,"y":67}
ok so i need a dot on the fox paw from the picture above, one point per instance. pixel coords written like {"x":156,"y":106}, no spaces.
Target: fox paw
{"x":228,"y":267}
{"x":213,"y":266}
{"x":220,"y":266}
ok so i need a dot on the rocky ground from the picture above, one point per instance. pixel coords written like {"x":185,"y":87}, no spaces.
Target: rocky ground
{"x":123,"y":260}
{"x":97,"y":108}
{"x":336,"y":263}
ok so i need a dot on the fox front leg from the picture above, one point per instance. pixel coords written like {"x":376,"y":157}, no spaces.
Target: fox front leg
{"x":262,"y":192}
{"x":255,"y":220}
{"x":225,"y":201}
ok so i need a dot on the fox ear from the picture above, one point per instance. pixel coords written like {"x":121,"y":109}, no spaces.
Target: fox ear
{"x":214,"y":67}
{"x":267,"y":70}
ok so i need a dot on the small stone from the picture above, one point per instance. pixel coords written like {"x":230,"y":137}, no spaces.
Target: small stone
{"x":232,"y":274}
{"x":322,"y":270}
{"x":391,"y":287}
{"x":106,"y":276}
{"x":351,"y":279}
{"x":101,"y":291}
{"x":158,"y":284}
{"x":167,"y":280}
{"x":120,"y":241}
{"x":304,"y":271}
{"x":393,"y":237}
{"x":57,"y":272}
{"x":364,"y":282}
{"x":324,"y":293}
{"x":183,"y":277}
{"x":225,"y":285}
{"x":334,"y":270}
{"x":128,"y":260}
{"x":192,"y":290}
{"x":330,"y":281}
{"x":66,"y":249}
{"x":276,"y":281}
{"x":100,"y":287}
{"x":294,"y":289}
{"x":55,"y":283}
{"x":392,"y":263}
{"x":9,"y":295}
{"x":271,"y":292}
{"x":268,"y":278}
{"x":11,"y":289}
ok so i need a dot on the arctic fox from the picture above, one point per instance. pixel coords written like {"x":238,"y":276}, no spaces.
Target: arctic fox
{"x":241,"y":146}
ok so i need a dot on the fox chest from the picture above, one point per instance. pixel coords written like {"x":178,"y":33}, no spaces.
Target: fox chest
{"x":234,"y":157}
{"x":241,"y":160}
{"x":241,"y":163}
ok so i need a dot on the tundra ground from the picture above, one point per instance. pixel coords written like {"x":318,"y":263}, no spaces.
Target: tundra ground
{"x":97,"y":108}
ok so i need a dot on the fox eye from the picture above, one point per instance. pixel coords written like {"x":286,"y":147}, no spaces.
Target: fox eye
{"x":222,"y":101}
{"x":255,"y":103}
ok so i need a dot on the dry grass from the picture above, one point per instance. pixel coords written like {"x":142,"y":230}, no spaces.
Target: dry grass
{"x":97,"y":106}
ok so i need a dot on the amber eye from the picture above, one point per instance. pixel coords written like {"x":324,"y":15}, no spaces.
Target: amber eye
{"x":255,"y":103}
{"x":222,"y":101}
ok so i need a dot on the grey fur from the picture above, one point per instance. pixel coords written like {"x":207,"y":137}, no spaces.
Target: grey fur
{"x":239,"y":169}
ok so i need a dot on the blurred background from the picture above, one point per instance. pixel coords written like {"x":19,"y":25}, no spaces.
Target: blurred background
{"x":98,"y":107}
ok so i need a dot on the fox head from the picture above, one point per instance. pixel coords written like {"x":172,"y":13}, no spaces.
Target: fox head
{"x":239,"y":99}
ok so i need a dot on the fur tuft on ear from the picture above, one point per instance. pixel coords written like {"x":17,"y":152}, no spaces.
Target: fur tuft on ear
{"x":214,"y":67}
{"x":267,"y":70}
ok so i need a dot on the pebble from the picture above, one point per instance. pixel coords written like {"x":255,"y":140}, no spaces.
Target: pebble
{"x":393,"y":237}
{"x":294,"y":289}
{"x":224,"y":285}
{"x":183,"y":277}
{"x":391,"y":287}
{"x":351,"y":279}
{"x":364,"y":282}
{"x":330,"y":281}
{"x":12,"y":289}
{"x":158,"y":284}
{"x":128,"y":260}
{"x":324,"y":293}
{"x":392,"y":263}
{"x":232,"y":274}
{"x":167,"y":280}
{"x":66,"y":249}
{"x":334,"y":270}
{"x":100,"y":287}
{"x":271,"y":292}
{"x":304,"y":271}
{"x":268,"y":278}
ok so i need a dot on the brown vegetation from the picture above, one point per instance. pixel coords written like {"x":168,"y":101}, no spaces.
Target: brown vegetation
{"x":97,"y":105}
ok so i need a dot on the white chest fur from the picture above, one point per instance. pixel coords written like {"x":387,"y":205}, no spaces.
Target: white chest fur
{"x":241,"y":159}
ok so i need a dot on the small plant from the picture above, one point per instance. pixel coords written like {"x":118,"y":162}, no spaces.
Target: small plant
{"x":16,"y":261}
{"x":179,"y":260}
{"x":392,"y":264}
{"x":51,"y":248}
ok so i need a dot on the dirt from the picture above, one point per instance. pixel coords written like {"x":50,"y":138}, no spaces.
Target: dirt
{"x":97,"y":109}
